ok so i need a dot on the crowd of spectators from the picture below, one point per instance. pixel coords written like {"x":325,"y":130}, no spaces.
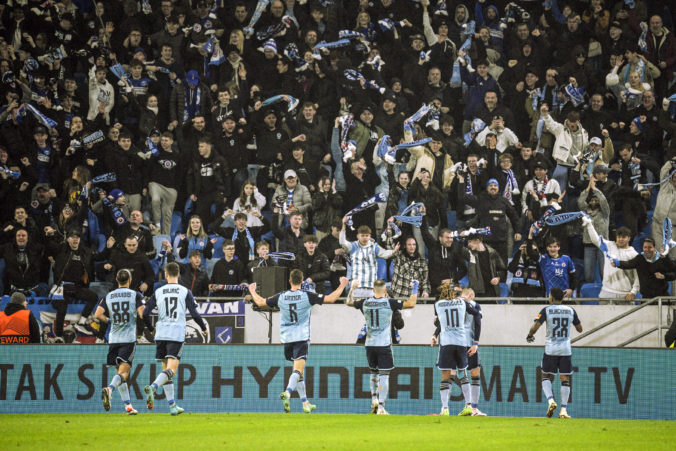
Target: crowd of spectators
{"x":214,"y":132}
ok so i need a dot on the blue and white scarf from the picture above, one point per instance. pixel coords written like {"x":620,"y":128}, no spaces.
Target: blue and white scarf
{"x":193,"y":100}
{"x":368,"y":203}
{"x":249,"y":238}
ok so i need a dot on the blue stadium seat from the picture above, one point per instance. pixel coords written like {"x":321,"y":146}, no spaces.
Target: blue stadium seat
{"x":176,"y":224}
{"x":464,"y":282}
{"x":504,"y":292}
{"x":590,"y":290}
{"x":382,"y":268}
{"x":391,"y":266}
{"x":218,"y":247}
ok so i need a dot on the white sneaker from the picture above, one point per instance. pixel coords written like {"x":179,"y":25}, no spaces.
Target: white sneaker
{"x":99,"y":340}
{"x":478,"y":413}
{"x":82,"y":328}
{"x":142,"y":340}
{"x":382,"y":411}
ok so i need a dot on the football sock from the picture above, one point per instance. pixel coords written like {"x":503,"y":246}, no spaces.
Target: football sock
{"x":445,"y":391}
{"x":162,"y":378}
{"x":456,"y":380}
{"x":124,"y":393}
{"x":300,"y":388}
{"x":547,"y":388}
{"x":565,"y":393}
{"x":117,"y":380}
{"x":383,"y":388}
{"x":374,"y":386}
{"x":293,"y":381}
{"x":169,"y":392}
{"x":476,"y":390}
{"x":466,"y":392}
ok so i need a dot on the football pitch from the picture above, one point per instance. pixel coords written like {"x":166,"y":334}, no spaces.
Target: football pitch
{"x":297,"y":431}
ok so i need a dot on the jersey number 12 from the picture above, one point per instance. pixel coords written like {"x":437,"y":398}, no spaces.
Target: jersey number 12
{"x":170,"y":305}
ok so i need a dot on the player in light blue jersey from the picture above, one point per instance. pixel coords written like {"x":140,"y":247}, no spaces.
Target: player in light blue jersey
{"x":378,"y":311}
{"x":171,"y":301}
{"x":453,"y":349}
{"x":119,"y":309}
{"x":295,"y":306}
{"x":473,"y":333}
{"x":557,"y":358}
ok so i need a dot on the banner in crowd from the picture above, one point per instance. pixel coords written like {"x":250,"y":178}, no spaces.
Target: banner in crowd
{"x":607,"y":382}
{"x":225,"y":320}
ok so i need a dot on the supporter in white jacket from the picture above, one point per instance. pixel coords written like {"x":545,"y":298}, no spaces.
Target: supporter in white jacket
{"x":665,"y":207}
{"x":100,"y":91}
{"x":617,"y":283}
{"x":571,"y":140}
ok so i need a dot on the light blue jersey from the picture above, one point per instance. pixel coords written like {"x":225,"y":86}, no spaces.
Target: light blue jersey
{"x":473,"y":324}
{"x":295,"y":308}
{"x":560,"y":319}
{"x":378,"y":315}
{"x":451,"y":314}
{"x":120,"y":307}
{"x":171,"y":301}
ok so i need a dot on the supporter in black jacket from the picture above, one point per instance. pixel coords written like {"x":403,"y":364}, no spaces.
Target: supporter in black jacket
{"x":314,"y":264}
{"x":228,"y":271}
{"x":131,"y":258}
{"x":193,"y":275}
{"x":23,"y":264}
{"x":246,"y":236}
{"x":207,"y":180}
{"x":493,"y":211}
{"x":124,"y":161}
{"x":290,"y":237}
{"x":654,"y":271}
{"x":527,"y":279}
{"x":445,"y":261}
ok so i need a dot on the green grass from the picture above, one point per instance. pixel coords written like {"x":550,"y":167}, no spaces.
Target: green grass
{"x":297,"y":431}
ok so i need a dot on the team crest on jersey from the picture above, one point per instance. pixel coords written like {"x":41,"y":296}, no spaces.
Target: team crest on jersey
{"x":168,"y":164}
{"x":120,"y":220}
{"x":197,"y":28}
{"x":279,"y":135}
{"x":35,"y":204}
{"x":201,"y":243}
{"x":232,"y":142}
{"x":563,"y":264}
{"x":208,"y":24}
{"x":231,"y":272}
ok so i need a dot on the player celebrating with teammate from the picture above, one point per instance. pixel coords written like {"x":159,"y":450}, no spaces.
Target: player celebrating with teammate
{"x":295,"y":307}
{"x":119,"y":308}
{"x":453,"y":350}
{"x":557,"y":355}
{"x":171,"y":301}
{"x":378,"y":311}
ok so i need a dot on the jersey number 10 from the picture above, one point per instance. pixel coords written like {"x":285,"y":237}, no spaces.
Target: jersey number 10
{"x":452,"y":319}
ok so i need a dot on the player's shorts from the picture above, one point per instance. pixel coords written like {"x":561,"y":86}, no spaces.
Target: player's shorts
{"x":452,"y":357}
{"x":380,"y":357}
{"x":296,"y":350}
{"x":168,"y":349}
{"x":551,"y":364}
{"x":473,"y":361}
{"x":121,"y":353}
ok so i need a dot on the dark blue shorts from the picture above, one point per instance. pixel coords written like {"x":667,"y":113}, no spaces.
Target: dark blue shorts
{"x":551,"y":364}
{"x":380,"y":357}
{"x":168,"y":349}
{"x":473,"y":361}
{"x":452,"y":357}
{"x":296,"y":350}
{"x":121,"y":353}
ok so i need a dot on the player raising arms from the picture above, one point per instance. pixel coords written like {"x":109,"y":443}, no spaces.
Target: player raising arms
{"x":119,"y":308}
{"x":295,"y":307}
{"x":377,"y":312}
{"x":171,"y":301}
{"x":559,"y":319}
{"x":452,"y":358}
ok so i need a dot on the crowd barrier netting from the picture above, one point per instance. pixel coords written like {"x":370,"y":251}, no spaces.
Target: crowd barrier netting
{"x":608,"y":383}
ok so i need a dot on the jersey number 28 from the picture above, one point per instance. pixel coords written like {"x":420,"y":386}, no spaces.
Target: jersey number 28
{"x":560,"y":327}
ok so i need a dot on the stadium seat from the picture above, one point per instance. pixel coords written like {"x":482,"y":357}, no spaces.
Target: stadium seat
{"x":176,"y":223}
{"x":464,"y":282}
{"x":218,"y":248}
{"x":382,"y":268}
{"x":504,"y":292}
{"x":590,"y":290}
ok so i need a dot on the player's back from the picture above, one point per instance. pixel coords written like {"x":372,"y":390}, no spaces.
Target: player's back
{"x":469,"y":323}
{"x":560,"y":320}
{"x":171,"y":305}
{"x":451,"y":314}
{"x":378,"y":315}
{"x":295,"y":309}
{"x":121,"y":305}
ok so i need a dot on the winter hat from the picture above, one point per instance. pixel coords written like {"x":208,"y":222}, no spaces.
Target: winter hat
{"x":270,"y":44}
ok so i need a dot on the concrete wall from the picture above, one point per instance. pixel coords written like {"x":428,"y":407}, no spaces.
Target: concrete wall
{"x":501,"y":325}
